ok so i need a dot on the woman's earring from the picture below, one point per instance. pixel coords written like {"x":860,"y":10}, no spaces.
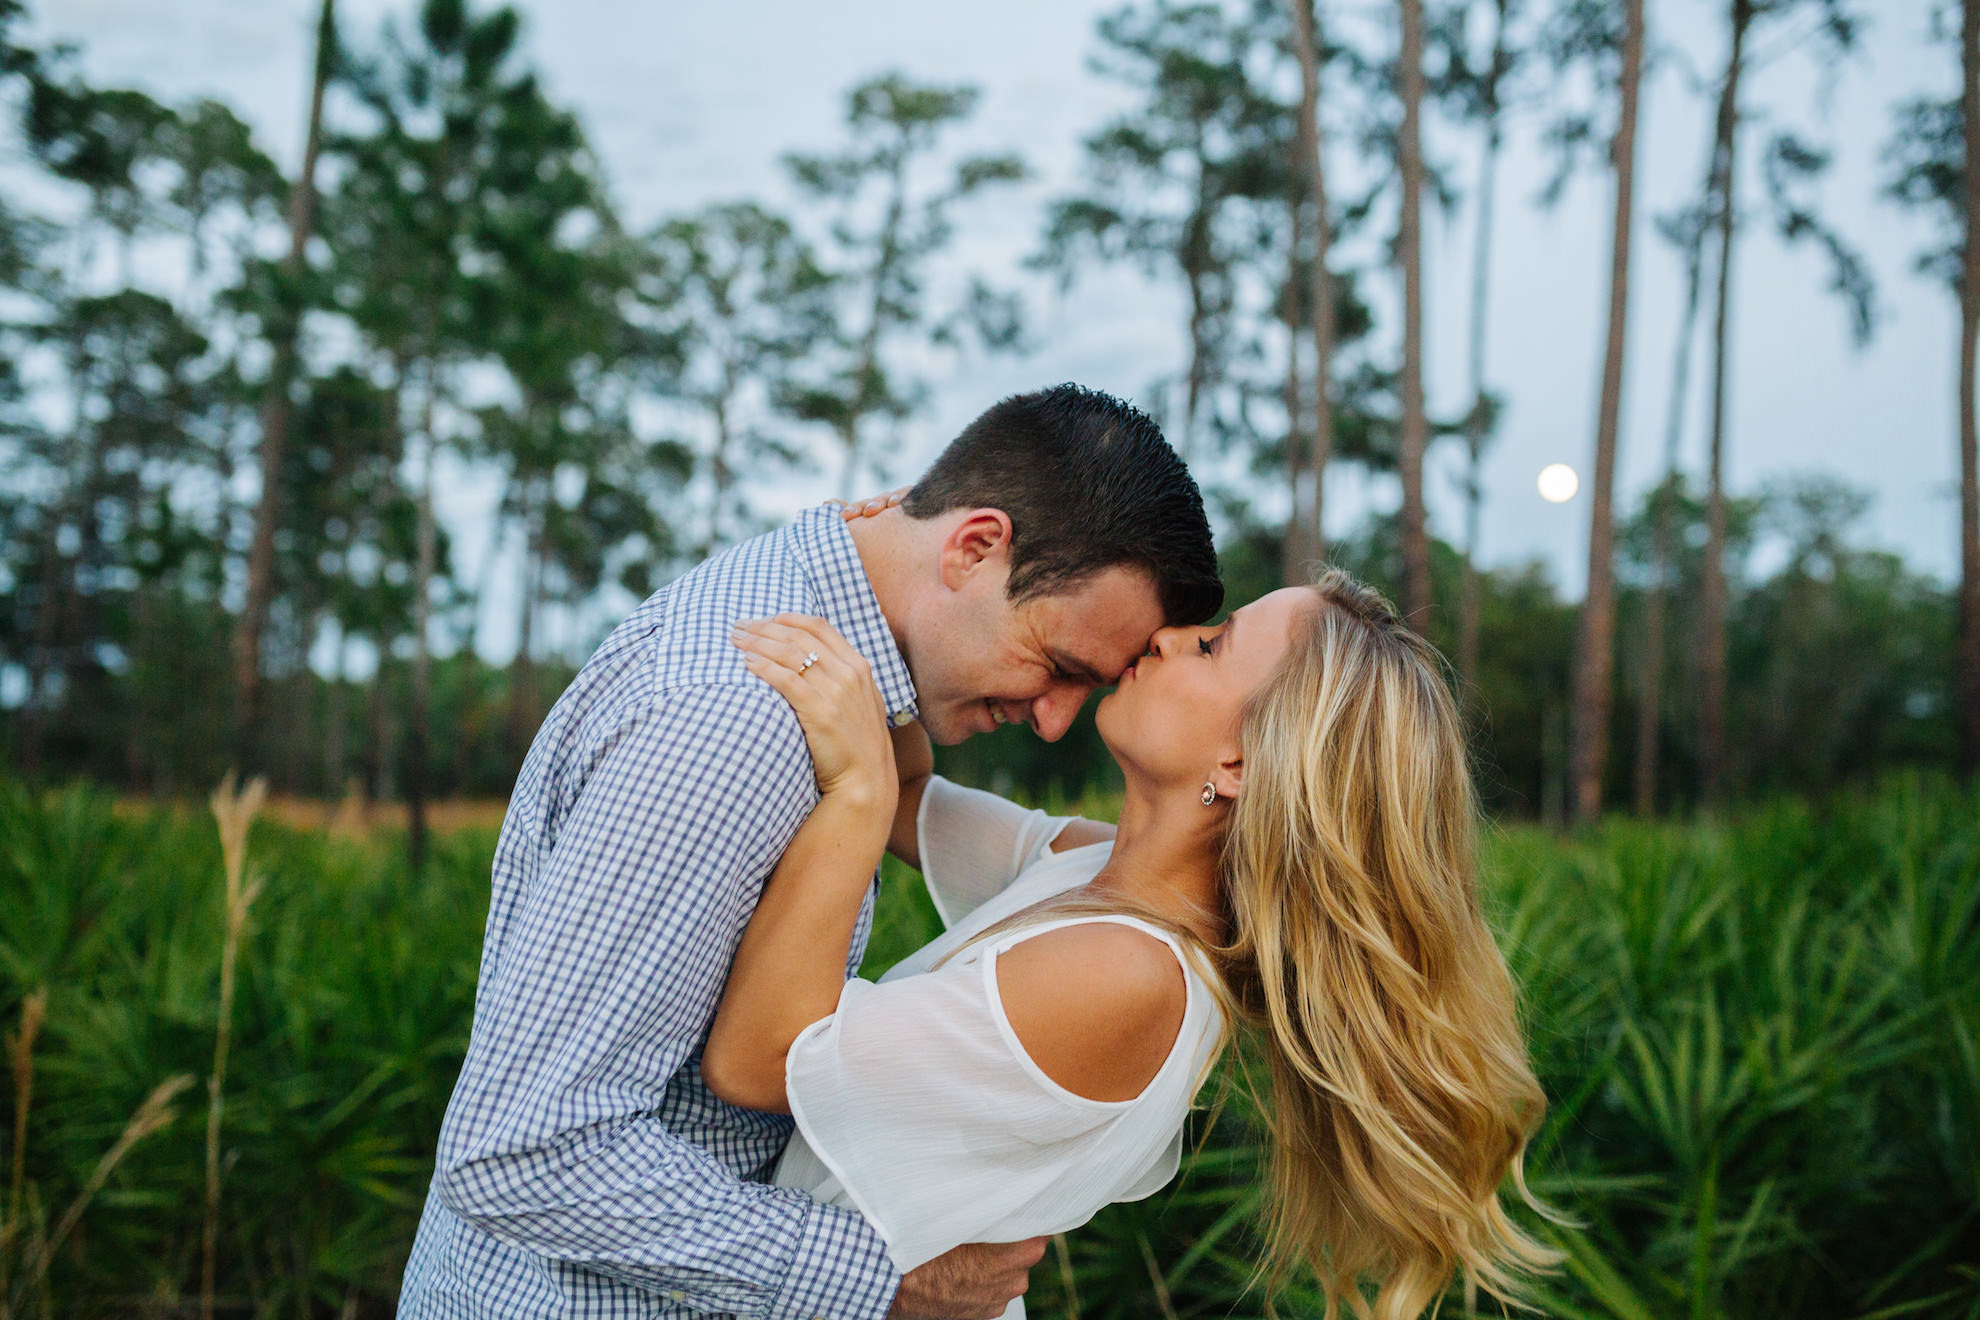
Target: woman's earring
{"x":1209,"y":795}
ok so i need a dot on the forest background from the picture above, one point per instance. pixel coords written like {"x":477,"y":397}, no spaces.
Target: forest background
{"x":456,"y":295}
{"x":238,"y":404}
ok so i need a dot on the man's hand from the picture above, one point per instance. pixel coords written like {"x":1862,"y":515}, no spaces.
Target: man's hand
{"x":976,"y":1281}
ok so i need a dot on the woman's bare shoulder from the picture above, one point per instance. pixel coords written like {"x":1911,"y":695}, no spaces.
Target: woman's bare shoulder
{"x":1097,"y":1005}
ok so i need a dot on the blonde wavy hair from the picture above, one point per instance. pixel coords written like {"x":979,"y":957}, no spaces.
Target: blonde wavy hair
{"x":1361,"y":964}
{"x":1360,"y":969}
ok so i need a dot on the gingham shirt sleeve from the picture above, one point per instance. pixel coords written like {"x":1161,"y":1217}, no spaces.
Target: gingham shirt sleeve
{"x":605,"y":986}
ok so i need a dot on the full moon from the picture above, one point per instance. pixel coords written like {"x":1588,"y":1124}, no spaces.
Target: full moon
{"x":1558,"y":483}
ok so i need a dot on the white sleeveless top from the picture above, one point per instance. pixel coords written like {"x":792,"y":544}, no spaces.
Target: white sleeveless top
{"x":916,"y":1103}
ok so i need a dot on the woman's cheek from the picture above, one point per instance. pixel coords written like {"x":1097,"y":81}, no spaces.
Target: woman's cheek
{"x":1179,"y":741}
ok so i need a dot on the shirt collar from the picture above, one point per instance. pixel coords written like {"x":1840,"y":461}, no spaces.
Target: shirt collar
{"x":824,"y":549}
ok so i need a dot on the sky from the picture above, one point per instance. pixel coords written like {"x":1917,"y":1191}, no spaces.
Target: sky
{"x":689,"y":103}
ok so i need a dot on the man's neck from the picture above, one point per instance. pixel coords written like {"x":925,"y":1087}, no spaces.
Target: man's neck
{"x":894,"y":551}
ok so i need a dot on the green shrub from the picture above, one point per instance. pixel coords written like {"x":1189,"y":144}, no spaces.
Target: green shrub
{"x":1761,"y":1040}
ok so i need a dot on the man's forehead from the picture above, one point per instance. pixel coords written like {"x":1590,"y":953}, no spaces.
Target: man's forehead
{"x":1101,"y":624}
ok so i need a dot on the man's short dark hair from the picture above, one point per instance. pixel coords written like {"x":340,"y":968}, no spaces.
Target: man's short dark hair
{"x":1088,"y":483}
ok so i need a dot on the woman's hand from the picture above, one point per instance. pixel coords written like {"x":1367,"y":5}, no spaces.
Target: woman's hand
{"x":872,"y":506}
{"x":830,"y":686}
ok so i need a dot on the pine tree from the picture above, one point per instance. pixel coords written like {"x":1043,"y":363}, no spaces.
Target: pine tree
{"x":1931,"y":148}
{"x":740,"y":300}
{"x":882,"y":268}
{"x":1415,"y":433}
{"x":278,"y":403}
{"x":1166,"y":180}
{"x":1305,"y":532}
{"x":1595,"y":639}
{"x":1787,"y":158}
{"x":1488,"y":90}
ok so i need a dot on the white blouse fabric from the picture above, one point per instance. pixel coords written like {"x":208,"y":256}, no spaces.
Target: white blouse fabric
{"x":916,"y":1103}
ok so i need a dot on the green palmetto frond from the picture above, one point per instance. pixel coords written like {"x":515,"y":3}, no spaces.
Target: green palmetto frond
{"x":1760,"y":1041}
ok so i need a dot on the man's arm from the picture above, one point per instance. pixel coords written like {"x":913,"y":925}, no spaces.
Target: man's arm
{"x":604,"y":984}
{"x":914,"y":760}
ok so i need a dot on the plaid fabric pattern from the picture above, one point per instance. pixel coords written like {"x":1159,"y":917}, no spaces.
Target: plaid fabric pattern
{"x":584,"y":1169}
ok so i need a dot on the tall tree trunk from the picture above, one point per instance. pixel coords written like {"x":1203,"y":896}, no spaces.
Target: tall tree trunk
{"x":138,"y":729}
{"x":1595,"y":641}
{"x":1198,"y":353}
{"x":1196,"y":249}
{"x":849,"y":440}
{"x":1409,"y":251}
{"x":377,"y":732}
{"x":1969,"y":329}
{"x":541,"y":586}
{"x":42,"y":654}
{"x":1296,"y":553}
{"x":1649,"y":709}
{"x":276,"y":408}
{"x":522,"y":673}
{"x":75,"y":658}
{"x":422,"y":675}
{"x":334,"y":716}
{"x":1553,"y":764}
{"x":1649,"y":705}
{"x":1306,"y":40}
{"x":299,"y":719}
{"x":867,"y":365}
{"x":1475,"y":423}
{"x":57,"y":610}
{"x":196,"y":250}
{"x":1712,"y":597}
{"x":721,"y":476}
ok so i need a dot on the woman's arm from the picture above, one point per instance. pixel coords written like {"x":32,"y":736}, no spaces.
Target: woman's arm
{"x":791,"y":963}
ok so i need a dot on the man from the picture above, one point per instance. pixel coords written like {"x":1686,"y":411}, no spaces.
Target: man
{"x":584,"y":1169}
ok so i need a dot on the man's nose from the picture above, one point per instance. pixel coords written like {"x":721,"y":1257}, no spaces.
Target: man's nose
{"x":1053,"y":713}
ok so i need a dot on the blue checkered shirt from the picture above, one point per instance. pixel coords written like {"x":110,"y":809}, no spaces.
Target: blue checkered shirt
{"x":584,"y":1169}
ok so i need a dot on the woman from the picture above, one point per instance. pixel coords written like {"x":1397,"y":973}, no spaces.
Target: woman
{"x":1294,"y":859}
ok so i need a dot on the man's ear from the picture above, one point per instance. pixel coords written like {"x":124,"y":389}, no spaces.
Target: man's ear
{"x":982,"y":539}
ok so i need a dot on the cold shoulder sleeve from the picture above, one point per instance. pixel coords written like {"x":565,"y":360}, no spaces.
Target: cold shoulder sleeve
{"x":974,"y":843}
{"x":917,"y":1105}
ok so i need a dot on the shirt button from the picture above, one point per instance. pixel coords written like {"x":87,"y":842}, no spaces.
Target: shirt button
{"x":678,"y":1295}
{"x":894,"y":721}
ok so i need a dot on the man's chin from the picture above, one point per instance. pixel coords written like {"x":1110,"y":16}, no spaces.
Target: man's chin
{"x":959,"y":723}
{"x":946,"y":728}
